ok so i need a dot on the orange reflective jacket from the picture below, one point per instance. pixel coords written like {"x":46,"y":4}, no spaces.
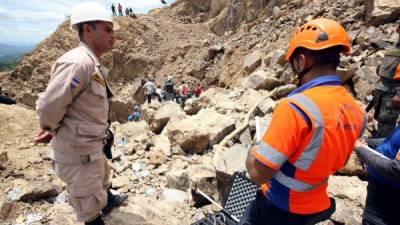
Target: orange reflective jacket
{"x":397,"y":74}
{"x":310,"y":137}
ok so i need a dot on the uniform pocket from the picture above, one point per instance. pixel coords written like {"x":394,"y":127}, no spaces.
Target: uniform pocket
{"x":92,"y":131}
{"x":90,"y":136}
{"x":101,"y":197}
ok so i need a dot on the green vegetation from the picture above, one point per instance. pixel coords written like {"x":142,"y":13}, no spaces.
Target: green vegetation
{"x":10,"y":56}
{"x":8,"y":64}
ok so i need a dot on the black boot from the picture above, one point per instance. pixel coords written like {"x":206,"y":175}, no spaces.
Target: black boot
{"x":97,"y":221}
{"x":113,"y":201}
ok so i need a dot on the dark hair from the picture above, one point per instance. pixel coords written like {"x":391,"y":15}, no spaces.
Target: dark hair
{"x":329,"y":56}
{"x":80,"y":27}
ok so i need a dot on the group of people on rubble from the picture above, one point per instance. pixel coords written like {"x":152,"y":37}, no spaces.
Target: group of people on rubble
{"x":311,"y":135}
{"x":169,"y":92}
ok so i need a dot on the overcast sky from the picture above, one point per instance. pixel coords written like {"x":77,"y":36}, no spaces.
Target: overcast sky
{"x":27,"y":22}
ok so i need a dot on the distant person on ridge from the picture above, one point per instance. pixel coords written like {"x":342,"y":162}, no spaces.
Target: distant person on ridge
{"x":127,"y":11}
{"x":120,"y":9}
{"x":113,"y":10}
{"x":311,"y":134}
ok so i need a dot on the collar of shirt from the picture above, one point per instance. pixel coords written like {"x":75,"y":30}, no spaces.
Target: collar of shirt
{"x":90,"y":53}
{"x":332,"y":80}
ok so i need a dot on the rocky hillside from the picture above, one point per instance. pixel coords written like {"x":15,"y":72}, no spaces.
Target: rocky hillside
{"x":216,"y":42}
{"x":236,"y":49}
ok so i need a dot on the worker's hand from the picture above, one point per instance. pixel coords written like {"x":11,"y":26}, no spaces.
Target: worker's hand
{"x":396,"y":101}
{"x":44,"y":136}
{"x":360,"y":143}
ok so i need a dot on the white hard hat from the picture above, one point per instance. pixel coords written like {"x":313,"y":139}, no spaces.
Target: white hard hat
{"x":90,"y":11}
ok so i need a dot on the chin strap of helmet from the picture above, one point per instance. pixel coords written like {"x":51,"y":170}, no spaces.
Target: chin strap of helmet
{"x":299,"y":74}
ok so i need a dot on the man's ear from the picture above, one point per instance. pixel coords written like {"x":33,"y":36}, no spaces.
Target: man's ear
{"x":88,"y":29}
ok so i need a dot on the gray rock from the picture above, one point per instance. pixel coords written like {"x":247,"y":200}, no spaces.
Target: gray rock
{"x":365,"y":81}
{"x":157,"y":157}
{"x":350,"y":194}
{"x":233,"y":159}
{"x":195,"y":133}
{"x":32,"y":190}
{"x":245,"y":137}
{"x":267,"y":106}
{"x":178,"y":179}
{"x":261,"y":79}
{"x":203,"y":178}
{"x":382,"y":11}
{"x":174,"y":195}
{"x":252,"y":61}
{"x":5,"y":208}
{"x":282,"y":91}
{"x":119,"y":182}
{"x":167,"y":111}
{"x":162,"y":143}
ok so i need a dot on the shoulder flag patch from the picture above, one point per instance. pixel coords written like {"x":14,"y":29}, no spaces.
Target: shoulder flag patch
{"x":75,"y":82}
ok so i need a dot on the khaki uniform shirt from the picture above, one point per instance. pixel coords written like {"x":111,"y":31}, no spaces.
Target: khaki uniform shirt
{"x":75,"y":104}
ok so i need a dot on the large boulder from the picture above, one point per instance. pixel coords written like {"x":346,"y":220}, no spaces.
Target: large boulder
{"x":167,"y":111}
{"x":235,"y":14}
{"x":350,"y":194}
{"x":248,"y":100}
{"x":32,"y":191}
{"x":382,"y":11}
{"x":365,"y":81}
{"x":252,"y":61}
{"x":261,"y":79}
{"x":162,"y":143}
{"x":215,"y":98}
{"x":178,"y":179}
{"x":143,"y":211}
{"x":196,"y":133}
{"x":131,"y":131}
{"x":232,"y":159}
{"x":204,"y":179}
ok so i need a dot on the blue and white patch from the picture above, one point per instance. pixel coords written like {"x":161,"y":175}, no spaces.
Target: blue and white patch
{"x":75,"y":82}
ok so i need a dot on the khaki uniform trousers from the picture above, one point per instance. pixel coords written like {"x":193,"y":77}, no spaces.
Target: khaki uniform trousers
{"x":86,"y":186}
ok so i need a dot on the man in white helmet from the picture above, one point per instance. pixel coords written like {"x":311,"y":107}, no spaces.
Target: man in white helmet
{"x":74,"y":111}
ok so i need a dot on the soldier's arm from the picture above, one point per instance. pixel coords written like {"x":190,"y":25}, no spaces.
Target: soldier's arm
{"x":67,"y":80}
{"x":390,"y":169}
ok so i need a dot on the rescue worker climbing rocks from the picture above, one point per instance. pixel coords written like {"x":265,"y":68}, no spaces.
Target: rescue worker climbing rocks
{"x":311,"y":135}
{"x":74,"y":111}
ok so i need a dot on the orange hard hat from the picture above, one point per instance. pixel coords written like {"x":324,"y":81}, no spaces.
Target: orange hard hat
{"x":319,"y":34}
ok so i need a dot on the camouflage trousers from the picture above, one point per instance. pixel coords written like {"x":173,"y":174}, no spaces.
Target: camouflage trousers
{"x":386,"y":114}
